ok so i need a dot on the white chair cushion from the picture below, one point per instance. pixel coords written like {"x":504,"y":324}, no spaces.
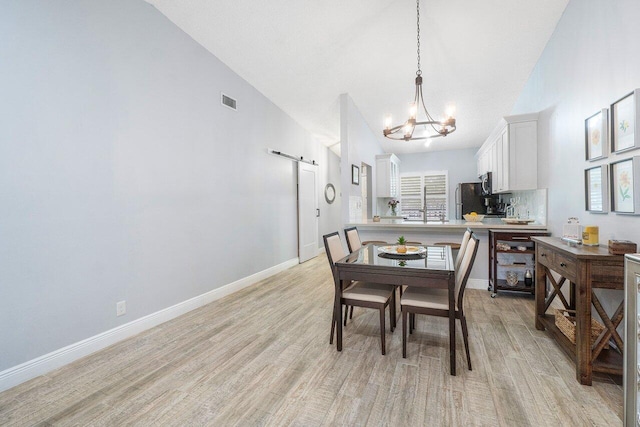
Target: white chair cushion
{"x":354,"y":240}
{"x":426,"y":298}
{"x":371,"y":292}
{"x":335,"y":248}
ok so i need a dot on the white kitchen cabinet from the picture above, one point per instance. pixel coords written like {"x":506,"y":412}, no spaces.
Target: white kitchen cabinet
{"x":483,"y":162}
{"x":387,"y":175}
{"x":486,"y":159}
{"x":512,"y":152}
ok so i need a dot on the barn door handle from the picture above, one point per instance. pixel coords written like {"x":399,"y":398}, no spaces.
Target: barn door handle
{"x":317,"y":213}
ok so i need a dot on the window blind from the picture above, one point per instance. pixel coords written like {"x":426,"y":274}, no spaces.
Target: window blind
{"x":413,"y":189}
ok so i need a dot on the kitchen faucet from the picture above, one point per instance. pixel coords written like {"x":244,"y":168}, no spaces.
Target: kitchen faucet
{"x":424,"y":210}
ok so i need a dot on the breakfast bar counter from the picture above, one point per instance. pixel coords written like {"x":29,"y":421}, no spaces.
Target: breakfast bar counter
{"x":388,"y":230}
{"x":450,"y":225}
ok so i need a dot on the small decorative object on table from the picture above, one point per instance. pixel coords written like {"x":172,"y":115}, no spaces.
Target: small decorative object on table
{"x":393,"y":203}
{"x":402,"y":248}
{"x":511,"y":278}
{"x":590,"y":235}
{"x":572,"y":231}
{"x":621,"y":247}
{"x":528,"y":278}
{"x":503,"y":246}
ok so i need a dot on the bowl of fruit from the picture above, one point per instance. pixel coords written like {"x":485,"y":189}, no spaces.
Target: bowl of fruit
{"x":473,"y":217}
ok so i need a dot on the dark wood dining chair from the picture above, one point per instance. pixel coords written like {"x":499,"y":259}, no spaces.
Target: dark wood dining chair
{"x":435,"y":302}
{"x":353,"y":239}
{"x":458,"y":248}
{"x":360,"y":294}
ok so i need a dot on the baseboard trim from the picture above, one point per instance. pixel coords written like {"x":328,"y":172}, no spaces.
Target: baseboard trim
{"x":39,"y":366}
{"x":477,"y":284}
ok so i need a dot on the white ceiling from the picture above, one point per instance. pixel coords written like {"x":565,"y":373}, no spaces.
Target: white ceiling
{"x":303,"y":54}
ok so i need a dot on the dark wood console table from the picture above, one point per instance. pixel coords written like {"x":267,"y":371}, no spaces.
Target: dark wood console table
{"x":585,"y":268}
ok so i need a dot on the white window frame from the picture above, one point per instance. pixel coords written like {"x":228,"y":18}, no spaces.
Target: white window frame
{"x":413,"y":201}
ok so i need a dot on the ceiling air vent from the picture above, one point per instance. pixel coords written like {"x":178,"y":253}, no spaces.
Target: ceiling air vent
{"x":227,"y":101}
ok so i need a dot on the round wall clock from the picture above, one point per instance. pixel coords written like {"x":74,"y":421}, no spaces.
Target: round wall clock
{"x":329,"y":193}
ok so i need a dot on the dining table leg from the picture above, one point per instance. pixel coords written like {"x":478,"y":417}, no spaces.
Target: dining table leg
{"x":452,"y":330}
{"x":337,"y":306}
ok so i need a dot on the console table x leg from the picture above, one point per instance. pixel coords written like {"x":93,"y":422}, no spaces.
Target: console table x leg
{"x":611,"y":325}
{"x":556,"y":291}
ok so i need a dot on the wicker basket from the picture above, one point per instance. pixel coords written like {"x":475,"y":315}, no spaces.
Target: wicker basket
{"x":566,"y":322}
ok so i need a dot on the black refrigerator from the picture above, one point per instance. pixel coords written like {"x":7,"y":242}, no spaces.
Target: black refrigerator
{"x":469,"y":199}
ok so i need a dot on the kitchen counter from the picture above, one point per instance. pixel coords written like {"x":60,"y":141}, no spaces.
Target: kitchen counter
{"x":452,"y":225}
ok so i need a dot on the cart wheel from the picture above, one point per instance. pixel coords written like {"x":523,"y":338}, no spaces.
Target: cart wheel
{"x":493,"y":295}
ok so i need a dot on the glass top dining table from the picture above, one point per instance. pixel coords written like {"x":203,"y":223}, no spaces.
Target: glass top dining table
{"x":433,"y":268}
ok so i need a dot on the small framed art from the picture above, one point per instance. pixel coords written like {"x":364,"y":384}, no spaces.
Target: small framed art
{"x":625,"y":186}
{"x":355,"y":175}
{"x":596,"y":135}
{"x":596,"y":189}
{"x":624,"y":117}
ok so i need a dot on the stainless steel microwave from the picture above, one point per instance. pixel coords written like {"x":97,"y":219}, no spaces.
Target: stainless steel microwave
{"x":485,"y":180}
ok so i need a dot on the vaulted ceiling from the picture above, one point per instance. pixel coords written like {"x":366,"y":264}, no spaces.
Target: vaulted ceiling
{"x":303,"y":54}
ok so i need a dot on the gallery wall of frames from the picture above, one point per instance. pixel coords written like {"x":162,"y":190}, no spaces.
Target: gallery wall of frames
{"x":612,"y":181}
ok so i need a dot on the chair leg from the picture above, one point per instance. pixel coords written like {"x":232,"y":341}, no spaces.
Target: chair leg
{"x":333,"y":326}
{"x":465,"y":337}
{"x":412,"y":322}
{"x":351,"y":313}
{"x":382,"y":330}
{"x":346,"y":311}
{"x":404,"y":333}
{"x":392,"y":313}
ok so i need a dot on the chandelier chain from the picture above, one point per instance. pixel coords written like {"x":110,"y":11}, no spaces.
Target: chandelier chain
{"x":419,"y":72}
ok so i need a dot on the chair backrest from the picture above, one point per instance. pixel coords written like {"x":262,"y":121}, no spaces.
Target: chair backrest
{"x":463,"y":247}
{"x":353,"y":239}
{"x":334,"y":249}
{"x":462,"y":275}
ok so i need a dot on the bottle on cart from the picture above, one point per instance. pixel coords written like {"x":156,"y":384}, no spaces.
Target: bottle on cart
{"x":528,"y":278}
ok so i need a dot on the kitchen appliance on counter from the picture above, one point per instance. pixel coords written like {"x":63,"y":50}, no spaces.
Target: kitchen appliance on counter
{"x":469,"y":198}
{"x":494,"y":206}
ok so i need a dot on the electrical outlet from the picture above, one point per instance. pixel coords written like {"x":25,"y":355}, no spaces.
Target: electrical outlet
{"x":121,"y":308}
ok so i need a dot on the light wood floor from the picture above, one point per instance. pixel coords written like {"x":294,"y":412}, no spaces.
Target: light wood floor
{"x":262,"y":357}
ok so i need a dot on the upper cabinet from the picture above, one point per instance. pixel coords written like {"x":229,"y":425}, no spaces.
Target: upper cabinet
{"x":511,"y":154}
{"x":388,"y":175}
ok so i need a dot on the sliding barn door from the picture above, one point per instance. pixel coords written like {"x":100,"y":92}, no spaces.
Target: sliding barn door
{"x":307,"y":211}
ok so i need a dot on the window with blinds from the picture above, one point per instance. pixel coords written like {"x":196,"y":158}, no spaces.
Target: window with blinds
{"x":416,"y":187}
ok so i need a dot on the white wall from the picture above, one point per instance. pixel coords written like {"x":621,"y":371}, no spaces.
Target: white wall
{"x":330,"y":220}
{"x":358,"y":144}
{"x":591,"y":61}
{"x":121,"y":175}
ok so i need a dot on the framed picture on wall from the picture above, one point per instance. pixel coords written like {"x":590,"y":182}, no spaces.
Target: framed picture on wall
{"x":596,"y":189}
{"x":596,"y":135}
{"x":624,"y":116}
{"x":355,"y":175}
{"x":625,"y":186}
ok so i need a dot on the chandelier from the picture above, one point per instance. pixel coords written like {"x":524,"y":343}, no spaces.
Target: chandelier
{"x":433,"y":128}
